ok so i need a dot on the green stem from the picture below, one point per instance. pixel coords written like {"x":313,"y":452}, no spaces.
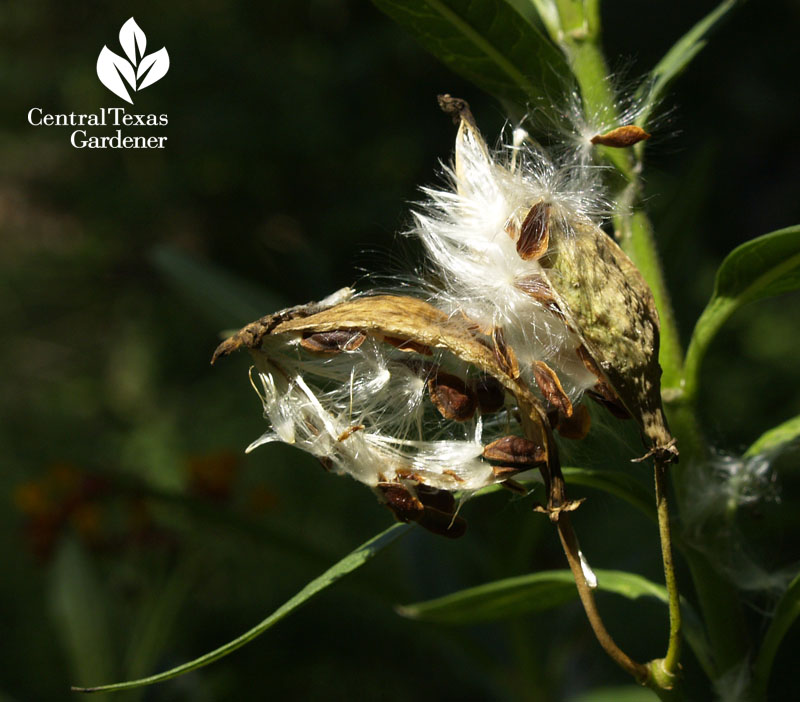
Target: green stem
{"x":669,"y":664}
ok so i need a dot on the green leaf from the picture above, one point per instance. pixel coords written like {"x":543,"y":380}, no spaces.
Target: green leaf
{"x":223,"y":297}
{"x":488,"y":42}
{"x":524,"y":594}
{"x":764,"y":267}
{"x":679,"y":56}
{"x":786,"y":612}
{"x":616,"y":483}
{"x":347,"y":565}
{"x":776,"y":438}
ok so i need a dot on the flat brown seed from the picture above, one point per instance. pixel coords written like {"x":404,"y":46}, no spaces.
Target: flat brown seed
{"x":515,"y":451}
{"x":505,"y":472}
{"x":550,"y":386}
{"x":332,"y":342}
{"x":442,"y":523}
{"x":534,"y":234}
{"x":451,"y":396}
{"x":490,"y":394}
{"x":577,"y":426}
{"x":399,"y":499}
{"x":621,"y":137}
{"x":504,"y":354}
{"x":438,"y":499}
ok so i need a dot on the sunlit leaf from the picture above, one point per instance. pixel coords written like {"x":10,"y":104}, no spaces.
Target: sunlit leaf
{"x":523,"y":594}
{"x":488,"y":42}
{"x":347,"y":565}
{"x":764,"y":267}
{"x":776,"y":437}
{"x":785,"y":614}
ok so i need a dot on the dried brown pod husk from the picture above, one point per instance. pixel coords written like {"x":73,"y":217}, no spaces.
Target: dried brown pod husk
{"x":621,"y":137}
{"x":490,"y":394}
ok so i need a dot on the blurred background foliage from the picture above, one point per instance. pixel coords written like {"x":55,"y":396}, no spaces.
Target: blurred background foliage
{"x":135,"y":532}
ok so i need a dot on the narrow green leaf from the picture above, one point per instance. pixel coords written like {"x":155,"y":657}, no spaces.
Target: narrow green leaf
{"x":523,"y":594}
{"x":764,"y":267}
{"x":347,"y":565}
{"x":776,"y":438}
{"x":679,"y":56}
{"x":616,"y":483}
{"x":536,"y":592}
{"x":224,"y":298}
{"x":786,"y":612}
{"x":488,"y":42}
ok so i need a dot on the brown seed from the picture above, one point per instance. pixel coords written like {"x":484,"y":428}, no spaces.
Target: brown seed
{"x":332,"y":342}
{"x":534,"y":235}
{"x":515,"y":487}
{"x":347,"y":433}
{"x":539,"y":289}
{"x":408,"y":345}
{"x":326,"y":462}
{"x":442,"y":523}
{"x":550,"y":385}
{"x":437,"y":499}
{"x":621,"y":137}
{"x":504,"y":354}
{"x":515,"y":451}
{"x":490,"y":394}
{"x":451,"y":396}
{"x":399,"y":499}
{"x":505,"y":471}
{"x":577,"y":426}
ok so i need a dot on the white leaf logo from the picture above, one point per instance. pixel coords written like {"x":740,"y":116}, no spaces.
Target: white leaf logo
{"x":137,"y":70}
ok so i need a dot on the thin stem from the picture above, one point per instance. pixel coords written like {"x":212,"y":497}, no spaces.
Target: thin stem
{"x":570,"y":544}
{"x":670,"y":662}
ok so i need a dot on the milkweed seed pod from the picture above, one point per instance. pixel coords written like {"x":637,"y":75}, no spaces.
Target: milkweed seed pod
{"x":414,"y":403}
{"x":515,"y":244}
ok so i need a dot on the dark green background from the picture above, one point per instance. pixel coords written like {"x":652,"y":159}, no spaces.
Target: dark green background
{"x":298,"y":134}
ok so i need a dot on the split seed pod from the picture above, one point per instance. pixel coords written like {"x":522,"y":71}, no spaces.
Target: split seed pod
{"x":412,"y":431}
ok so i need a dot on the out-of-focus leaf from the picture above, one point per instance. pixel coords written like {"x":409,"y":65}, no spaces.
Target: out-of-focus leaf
{"x":81,"y":614}
{"x":348,"y":564}
{"x":786,"y":612}
{"x":624,"y":693}
{"x":224,"y":298}
{"x":616,"y":483}
{"x":523,"y":594}
{"x":679,"y":56}
{"x":488,"y":42}
{"x":764,"y":267}
{"x":776,"y":438}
